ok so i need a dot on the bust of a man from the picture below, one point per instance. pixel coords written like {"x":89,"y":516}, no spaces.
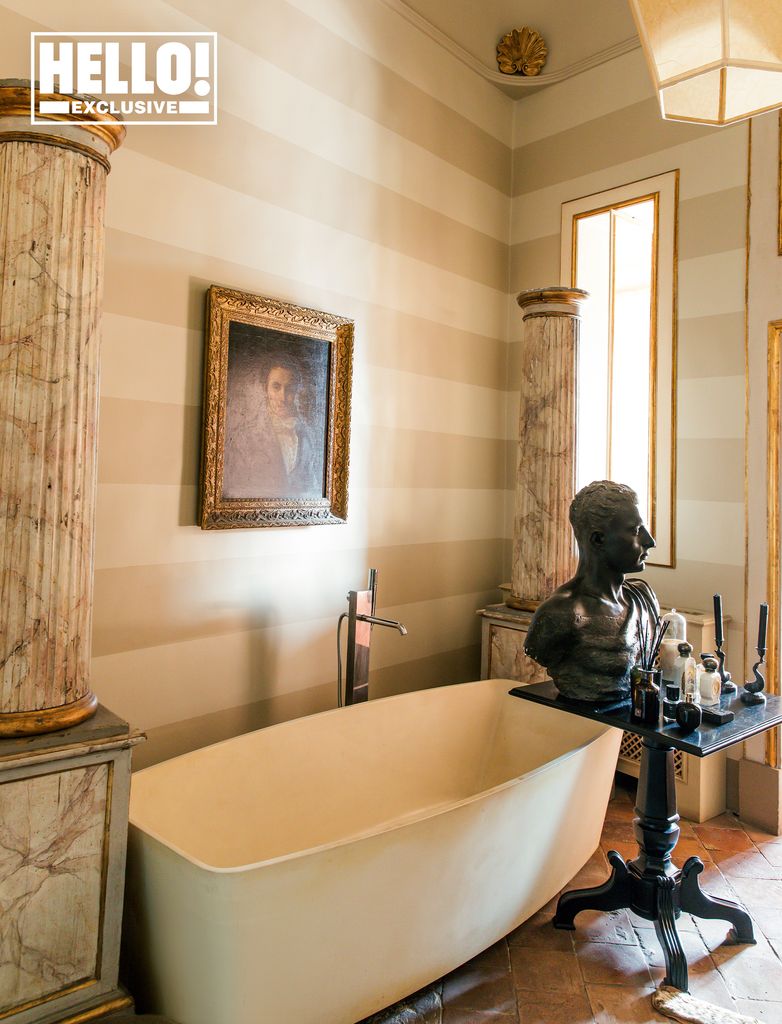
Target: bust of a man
{"x":587,"y":634}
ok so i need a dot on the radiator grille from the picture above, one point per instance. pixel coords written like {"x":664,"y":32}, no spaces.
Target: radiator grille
{"x":631,"y":747}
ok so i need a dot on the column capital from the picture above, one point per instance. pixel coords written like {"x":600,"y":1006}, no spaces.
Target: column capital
{"x":98,"y":138}
{"x":551,"y":301}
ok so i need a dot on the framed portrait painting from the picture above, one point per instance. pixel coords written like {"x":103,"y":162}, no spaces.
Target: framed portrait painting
{"x":276,"y":413}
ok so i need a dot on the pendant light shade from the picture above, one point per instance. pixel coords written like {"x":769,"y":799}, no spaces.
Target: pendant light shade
{"x":713,"y":61}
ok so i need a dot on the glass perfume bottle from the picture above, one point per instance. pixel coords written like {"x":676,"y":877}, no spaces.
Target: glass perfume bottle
{"x":709,"y":682}
{"x":684,"y":668}
{"x":688,"y":713}
{"x":675,"y":634}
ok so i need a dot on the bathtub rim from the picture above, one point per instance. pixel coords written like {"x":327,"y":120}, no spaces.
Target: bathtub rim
{"x":438,"y":809}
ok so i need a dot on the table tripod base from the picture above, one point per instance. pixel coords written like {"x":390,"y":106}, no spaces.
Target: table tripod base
{"x":615,"y":894}
{"x":627,"y":889}
{"x":696,"y":902}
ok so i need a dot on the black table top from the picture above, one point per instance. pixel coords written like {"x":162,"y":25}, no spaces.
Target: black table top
{"x":750,"y":719}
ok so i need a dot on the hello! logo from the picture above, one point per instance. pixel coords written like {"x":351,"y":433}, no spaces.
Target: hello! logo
{"x":142,"y":77}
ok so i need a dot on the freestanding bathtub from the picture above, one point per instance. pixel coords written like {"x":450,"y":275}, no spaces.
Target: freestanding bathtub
{"x":316,"y":871}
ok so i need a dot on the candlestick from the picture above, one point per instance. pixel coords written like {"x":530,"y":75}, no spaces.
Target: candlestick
{"x":728,"y":686}
{"x":718,"y":637}
{"x":762,"y":624}
{"x":753,"y":688}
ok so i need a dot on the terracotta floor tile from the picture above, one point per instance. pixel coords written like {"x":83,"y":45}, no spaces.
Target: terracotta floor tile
{"x":711,"y":987}
{"x":714,"y":883}
{"x":600,"y":926}
{"x":758,"y":892}
{"x":589,"y":877}
{"x":484,"y":983}
{"x":455,"y":1015}
{"x":540,"y":970}
{"x":628,"y":851}
{"x":776,"y":946}
{"x":757,"y":835}
{"x":554,"y":1008}
{"x":695,"y":949}
{"x":604,"y":963}
{"x":768,"y":920}
{"x":539,"y":933}
{"x":726,"y":820}
{"x":625,"y":787}
{"x":612,"y":1004}
{"x":768,"y":1013}
{"x":746,"y":864}
{"x":716,"y":934}
{"x":723,"y":838}
{"x":617,"y":832}
{"x":687,"y":848}
{"x":772,"y":852}
{"x":751,"y":976}
{"x":620,"y":810}
{"x":686,"y":829}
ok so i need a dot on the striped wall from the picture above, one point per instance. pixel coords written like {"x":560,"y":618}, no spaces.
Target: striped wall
{"x":359,"y":169}
{"x":603,"y":129}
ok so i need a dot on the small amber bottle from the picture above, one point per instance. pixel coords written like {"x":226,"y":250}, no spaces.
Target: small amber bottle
{"x":646,"y":696}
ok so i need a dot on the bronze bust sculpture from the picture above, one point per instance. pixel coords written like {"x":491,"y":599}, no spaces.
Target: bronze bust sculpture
{"x":587,"y":634}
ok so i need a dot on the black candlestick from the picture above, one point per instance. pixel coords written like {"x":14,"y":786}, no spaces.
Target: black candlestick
{"x":762,"y":624}
{"x":727,"y":684}
{"x":753,"y":688}
{"x":718,"y":637}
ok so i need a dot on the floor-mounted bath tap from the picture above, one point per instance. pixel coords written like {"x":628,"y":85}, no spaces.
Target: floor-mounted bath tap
{"x":361,"y":618}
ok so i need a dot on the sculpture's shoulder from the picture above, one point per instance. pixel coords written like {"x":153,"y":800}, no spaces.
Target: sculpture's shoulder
{"x":642,"y":593}
{"x":558,"y":614}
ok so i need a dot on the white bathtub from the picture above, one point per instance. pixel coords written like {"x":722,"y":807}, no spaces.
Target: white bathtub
{"x":317,"y":871}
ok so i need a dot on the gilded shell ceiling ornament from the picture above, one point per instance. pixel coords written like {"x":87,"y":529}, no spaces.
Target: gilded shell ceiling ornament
{"x":521,"y":52}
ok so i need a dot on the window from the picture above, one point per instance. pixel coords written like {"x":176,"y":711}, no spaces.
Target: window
{"x":620,"y":247}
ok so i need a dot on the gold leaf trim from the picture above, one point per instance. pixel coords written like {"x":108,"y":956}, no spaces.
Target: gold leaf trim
{"x":15,"y":101}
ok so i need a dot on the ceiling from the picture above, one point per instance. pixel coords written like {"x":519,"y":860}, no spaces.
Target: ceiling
{"x":574,"y":31}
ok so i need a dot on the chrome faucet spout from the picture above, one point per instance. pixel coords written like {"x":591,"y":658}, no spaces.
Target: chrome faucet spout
{"x":376,"y":621}
{"x":361,"y":611}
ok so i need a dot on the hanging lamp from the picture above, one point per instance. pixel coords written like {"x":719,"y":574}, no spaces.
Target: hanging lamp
{"x":713,"y":61}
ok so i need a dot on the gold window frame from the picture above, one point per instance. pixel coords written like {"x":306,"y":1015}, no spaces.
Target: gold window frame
{"x":663,"y":189}
{"x":773,"y":582}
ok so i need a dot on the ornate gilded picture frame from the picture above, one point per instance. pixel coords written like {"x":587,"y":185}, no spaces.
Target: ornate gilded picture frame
{"x":276,"y":421}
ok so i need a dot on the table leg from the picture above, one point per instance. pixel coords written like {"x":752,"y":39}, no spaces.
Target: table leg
{"x":694,"y":901}
{"x":612,"y":895}
{"x":667,"y":936}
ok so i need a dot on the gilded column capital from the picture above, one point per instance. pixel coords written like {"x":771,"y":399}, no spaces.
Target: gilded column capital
{"x":98,"y":138}
{"x":551,"y":301}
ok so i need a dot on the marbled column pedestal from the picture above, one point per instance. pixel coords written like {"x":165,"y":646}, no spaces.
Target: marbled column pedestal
{"x":63,"y":834}
{"x":503,"y":635}
{"x":52,"y":198}
{"x":543,"y":552}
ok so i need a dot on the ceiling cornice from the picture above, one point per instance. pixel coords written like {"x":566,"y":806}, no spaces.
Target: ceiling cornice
{"x":509,"y":83}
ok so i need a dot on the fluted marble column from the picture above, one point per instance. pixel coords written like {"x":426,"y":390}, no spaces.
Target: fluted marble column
{"x":52,"y":199}
{"x":543,"y":553}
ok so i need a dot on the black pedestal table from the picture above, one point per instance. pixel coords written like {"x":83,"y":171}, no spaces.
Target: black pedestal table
{"x":651,"y":885}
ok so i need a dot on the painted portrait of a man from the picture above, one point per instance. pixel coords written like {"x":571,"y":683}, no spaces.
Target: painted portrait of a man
{"x":276,"y":415}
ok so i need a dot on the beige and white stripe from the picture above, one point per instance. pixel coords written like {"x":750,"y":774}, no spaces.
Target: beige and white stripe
{"x":361,"y":169}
